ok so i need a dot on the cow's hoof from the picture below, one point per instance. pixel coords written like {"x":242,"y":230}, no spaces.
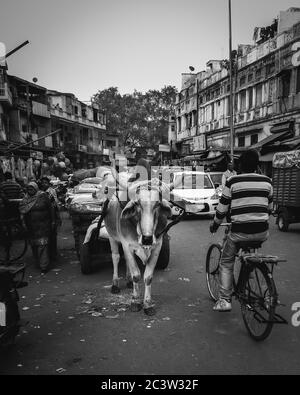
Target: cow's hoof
{"x":135,"y":307}
{"x":115,"y":289}
{"x":129,"y":284}
{"x":149,"y":310}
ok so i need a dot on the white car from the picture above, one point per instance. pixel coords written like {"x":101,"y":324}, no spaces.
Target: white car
{"x":197,"y":192}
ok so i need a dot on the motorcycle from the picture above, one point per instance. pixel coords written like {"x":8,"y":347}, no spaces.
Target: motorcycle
{"x":11,"y":279}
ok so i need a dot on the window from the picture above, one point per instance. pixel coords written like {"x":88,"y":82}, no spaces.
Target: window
{"x":271,"y":90}
{"x":286,"y":82}
{"x":243,"y":100}
{"x":254,"y":139}
{"x":173,"y":128}
{"x":179,"y":124}
{"x":250,"y":77}
{"x":270,"y":68}
{"x":258,"y":73}
{"x":241,"y":141}
{"x":95,"y":115}
{"x":242,"y":80}
{"x":250,"y":97}
{"x":76,"y":110}
{"x":259,"y":95}
{"x":298,"y":80}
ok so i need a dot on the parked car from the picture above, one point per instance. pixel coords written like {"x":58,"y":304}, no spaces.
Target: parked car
{"x":197,"y":192}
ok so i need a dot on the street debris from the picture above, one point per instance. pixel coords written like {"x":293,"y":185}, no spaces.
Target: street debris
{"x":60,"y":370}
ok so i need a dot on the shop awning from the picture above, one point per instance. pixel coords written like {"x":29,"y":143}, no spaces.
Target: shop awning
{"x":269,"y":139}
{"x":282,"y":127}
{"x":267,"y":157}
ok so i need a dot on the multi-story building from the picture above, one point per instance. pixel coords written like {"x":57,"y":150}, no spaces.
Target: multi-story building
{"x":5,"y":103}
{"x":82,"y":128}
{"x":31,"y":113}
{"x":266,"y":95}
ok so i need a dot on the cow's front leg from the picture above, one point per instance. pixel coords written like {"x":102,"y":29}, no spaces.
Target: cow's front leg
{"x":136,"y":304}
{"x":148,"y":277}
{"x":115,"y":289}
{"x":129,"y":282}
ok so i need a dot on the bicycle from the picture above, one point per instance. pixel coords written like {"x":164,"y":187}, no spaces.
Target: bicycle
{"x":13,"y":245}
{"x":13,"y":237}
{"x":253,"y":284}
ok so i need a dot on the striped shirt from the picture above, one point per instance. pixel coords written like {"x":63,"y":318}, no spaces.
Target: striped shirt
{"x":11,"y":189}
{"x":248,"y":198}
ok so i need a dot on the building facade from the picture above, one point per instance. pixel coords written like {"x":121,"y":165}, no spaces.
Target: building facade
{"x":53,"y":122}
{"x":266,"y":94}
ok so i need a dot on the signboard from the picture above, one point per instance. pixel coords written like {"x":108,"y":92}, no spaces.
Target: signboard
{"x":82,"y":148}
{"x":36,"y":155}
{"x":199,"y":143}
{"x":164,"y":148}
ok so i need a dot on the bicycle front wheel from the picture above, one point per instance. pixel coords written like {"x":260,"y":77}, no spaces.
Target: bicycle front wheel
{"x":258,"y":303}
{"x":13,"y":244}
{"x":212,"y":270}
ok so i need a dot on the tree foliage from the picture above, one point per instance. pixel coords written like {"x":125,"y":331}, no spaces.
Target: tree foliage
{"x":140,"y":119}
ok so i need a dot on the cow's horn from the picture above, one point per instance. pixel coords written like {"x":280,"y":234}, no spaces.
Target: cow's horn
{"x":174,"y":185}
{"x":115,"y":175}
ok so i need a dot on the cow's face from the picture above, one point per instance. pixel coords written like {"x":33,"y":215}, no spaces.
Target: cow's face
{"x":146,"y":209}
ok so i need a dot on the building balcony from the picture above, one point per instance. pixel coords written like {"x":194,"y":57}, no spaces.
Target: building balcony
{"x":57,"y":112}
{"x":40,"y":109}
{"x":5,"y":94}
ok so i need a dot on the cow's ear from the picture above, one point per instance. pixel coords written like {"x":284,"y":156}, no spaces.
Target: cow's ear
{"x":165,"y":208}
{"x":129,"y":210}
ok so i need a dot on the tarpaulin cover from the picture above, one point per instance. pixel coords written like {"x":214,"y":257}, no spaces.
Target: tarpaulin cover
{"x":286,"y":160}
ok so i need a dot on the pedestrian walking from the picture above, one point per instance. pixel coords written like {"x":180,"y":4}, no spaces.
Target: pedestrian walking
{"x":10,"y":188}
{"x":38,"y":216}
{"x":46,"y":187}
{"x":228,"y":173}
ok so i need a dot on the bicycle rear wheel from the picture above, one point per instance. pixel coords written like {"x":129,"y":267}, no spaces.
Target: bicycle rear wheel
{"x":13,"y":243}
{"x":212,"y":270}
{"x":258,"y":302}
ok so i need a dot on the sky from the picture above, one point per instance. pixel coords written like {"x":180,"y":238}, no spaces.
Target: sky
{"x":85,"y":46}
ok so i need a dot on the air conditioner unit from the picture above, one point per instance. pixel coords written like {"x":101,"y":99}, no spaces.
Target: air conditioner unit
{"x":82,"y":148}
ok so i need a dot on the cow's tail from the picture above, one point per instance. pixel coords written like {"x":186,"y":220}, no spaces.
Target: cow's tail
{"x":95,"y":235}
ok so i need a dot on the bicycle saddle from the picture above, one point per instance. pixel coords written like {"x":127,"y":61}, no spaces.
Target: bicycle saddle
{"x":246,"y":245}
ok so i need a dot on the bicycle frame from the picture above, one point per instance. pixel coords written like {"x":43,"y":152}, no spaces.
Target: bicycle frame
{"x":249,"y":262}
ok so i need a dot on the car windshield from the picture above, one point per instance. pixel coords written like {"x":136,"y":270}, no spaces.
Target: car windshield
{"x":193,"y":181}
{"x":216,"y":178}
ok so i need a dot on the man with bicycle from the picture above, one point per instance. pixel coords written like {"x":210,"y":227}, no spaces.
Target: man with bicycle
{"x":247,"y":198}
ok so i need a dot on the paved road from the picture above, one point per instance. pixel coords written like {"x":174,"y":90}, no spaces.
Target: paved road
{"x":185,"y":336}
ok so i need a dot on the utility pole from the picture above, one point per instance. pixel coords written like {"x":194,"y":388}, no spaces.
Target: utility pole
{"x":231,"y":104}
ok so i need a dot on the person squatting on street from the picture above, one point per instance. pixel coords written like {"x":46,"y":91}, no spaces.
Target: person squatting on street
{"x":248,"y":197}
{"x":46,"y":187}
{"x":38,"y":215}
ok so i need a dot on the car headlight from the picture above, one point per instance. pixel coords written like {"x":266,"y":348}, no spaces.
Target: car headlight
{"x":215,"y":196}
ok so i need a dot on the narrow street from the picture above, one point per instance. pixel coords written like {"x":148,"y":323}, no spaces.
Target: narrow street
{"x":76,"y":326}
